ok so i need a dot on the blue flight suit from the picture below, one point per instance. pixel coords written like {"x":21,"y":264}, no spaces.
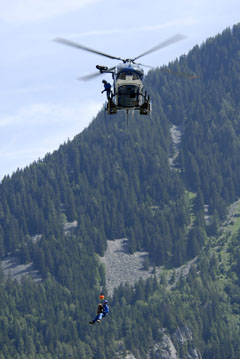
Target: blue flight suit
{"x":107,"y":88}
{"x":105,"y":310}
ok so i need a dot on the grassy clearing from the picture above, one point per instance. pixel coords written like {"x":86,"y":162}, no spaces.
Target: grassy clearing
{"x":229,"y":229}
{"x":234,"y":225}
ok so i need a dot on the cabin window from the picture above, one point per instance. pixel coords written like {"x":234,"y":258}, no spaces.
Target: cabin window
{"x":135,"y":76}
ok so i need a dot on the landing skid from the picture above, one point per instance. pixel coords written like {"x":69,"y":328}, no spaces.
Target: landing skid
{"x":111,"y":108}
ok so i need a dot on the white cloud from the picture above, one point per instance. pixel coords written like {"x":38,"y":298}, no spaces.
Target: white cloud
{"x":42,"y":114}
{"x":171,"y":24}
{"x":38,"y":129}
{"x":31,"y":10}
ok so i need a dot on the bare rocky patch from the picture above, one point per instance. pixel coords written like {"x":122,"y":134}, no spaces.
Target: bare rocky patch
{"x":122,"y":267}
{"x":11,"y":267}
{"x":176,"y":135}
{"x":69,"y":227}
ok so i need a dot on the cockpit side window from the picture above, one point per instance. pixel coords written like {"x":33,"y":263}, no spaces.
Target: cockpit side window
{"x":135,"y":76}
{"x":122,"y":76}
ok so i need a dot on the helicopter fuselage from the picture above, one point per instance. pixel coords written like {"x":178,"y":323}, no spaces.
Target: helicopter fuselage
{"x":128,"y":89}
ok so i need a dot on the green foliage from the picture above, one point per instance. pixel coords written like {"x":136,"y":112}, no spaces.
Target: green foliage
{"x":208,"y":110}
{"x":115,"y":181}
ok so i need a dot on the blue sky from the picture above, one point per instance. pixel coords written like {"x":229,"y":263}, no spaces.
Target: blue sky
{"x":42,"y":102}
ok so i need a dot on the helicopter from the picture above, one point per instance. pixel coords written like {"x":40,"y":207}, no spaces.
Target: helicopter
{"x":128,"y":89}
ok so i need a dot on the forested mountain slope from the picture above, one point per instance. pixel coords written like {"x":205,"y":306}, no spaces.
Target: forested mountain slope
{"x":115,"y":181}
{"x":208,"y":108}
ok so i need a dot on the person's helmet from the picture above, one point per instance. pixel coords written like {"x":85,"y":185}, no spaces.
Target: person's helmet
{"x":104,"y":81}
{"x":105,"y":301}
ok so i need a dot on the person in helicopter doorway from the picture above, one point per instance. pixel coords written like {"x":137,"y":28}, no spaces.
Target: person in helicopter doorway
{"x":107,"y":88}
{"x":102,"y":311}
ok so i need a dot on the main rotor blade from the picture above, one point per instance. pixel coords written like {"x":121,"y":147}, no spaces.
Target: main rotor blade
{"x":163,"y":44}
{"x":96,"y":74}
{"x":78,"y":46}
{"x":150,"y":67}
{"x":89,"y":77}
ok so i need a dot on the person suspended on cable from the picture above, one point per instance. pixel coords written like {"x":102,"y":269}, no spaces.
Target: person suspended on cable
{"x":102,"y":311}
{"x":107,"y":88}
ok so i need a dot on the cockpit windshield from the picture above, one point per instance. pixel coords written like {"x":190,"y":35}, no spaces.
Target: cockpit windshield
{"x":123,"y":74}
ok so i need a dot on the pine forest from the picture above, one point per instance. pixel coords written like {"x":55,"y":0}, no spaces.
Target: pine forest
{"x":175,"y":200}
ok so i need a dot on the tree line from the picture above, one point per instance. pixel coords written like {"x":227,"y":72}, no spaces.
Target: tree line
{"x":115,"y":181}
